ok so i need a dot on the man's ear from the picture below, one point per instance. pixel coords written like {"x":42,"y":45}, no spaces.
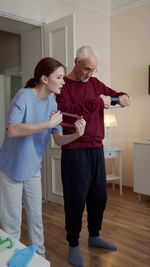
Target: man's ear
{"x":44,"y":79}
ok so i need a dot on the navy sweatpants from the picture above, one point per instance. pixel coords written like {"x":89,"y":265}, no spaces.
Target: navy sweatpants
{"x":84,"y":182}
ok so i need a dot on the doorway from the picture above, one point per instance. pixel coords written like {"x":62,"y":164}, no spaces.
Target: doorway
{"x":14,"y":55}
{"x":17,"y":60}
{"x":56,"y":39}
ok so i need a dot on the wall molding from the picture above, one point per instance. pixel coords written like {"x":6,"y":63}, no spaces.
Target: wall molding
{"x":127,"y":7}
{"x":100,"y":6}
{"x":23,"y":18}
{"x":106,"y":7}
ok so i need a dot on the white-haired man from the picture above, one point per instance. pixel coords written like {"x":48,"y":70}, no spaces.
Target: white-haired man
{"x":82,"y":161}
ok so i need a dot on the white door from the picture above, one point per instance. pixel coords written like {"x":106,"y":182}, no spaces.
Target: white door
{"x":31,"y":52}
{"x":2,"y":108}
{"x":5,"y":91}
{"x":59,"y":42}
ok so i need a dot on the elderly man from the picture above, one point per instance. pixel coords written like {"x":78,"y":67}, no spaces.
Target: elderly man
{"x":83,"y":166}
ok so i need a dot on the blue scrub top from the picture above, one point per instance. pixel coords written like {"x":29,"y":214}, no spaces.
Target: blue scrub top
{"x":21,"y":157}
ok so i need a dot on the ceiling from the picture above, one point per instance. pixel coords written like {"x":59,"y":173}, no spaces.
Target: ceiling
{"x":119,"y":6}
{"x":109,"y":7}
{"x":115,"y":4}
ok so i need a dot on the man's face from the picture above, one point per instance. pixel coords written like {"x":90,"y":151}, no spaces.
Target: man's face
{"x":85,"y":68}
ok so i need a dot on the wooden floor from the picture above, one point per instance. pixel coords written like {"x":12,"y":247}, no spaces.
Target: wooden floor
{"x":126,"y":223}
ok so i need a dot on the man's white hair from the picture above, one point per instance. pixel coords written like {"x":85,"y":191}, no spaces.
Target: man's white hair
{"x":85,"y":51}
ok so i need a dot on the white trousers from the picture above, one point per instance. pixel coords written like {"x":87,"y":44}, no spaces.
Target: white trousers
{"x":12,"y":194}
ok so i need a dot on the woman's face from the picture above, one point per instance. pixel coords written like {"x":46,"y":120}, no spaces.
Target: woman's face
{"x":55,"y":81}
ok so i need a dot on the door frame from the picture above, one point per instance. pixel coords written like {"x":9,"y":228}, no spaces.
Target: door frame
{"x":41,"y":24}
{"x":36,"y":22}
{"x":65,"y":28}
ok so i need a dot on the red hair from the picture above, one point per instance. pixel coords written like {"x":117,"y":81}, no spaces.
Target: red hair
{"x":45,"y":66}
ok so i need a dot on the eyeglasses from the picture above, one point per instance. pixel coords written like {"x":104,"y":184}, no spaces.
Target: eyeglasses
{"x":87,"y":70}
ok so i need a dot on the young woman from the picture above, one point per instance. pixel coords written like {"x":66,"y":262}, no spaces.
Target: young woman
{"x":32,"y":118}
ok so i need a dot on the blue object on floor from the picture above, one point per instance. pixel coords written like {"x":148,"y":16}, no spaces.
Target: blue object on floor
{"x":22,"y":257}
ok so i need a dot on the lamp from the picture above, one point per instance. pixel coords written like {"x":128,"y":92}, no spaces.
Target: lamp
{"x":109,"y":121}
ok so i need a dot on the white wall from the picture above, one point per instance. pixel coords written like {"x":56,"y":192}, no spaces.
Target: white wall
{"x":9,"y":51}
{"x":92,"y":28}
{"x":126,"y":38}
{"x":130,"y":57}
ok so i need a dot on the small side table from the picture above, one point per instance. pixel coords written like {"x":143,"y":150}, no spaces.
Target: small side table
{"x":112,"y":154}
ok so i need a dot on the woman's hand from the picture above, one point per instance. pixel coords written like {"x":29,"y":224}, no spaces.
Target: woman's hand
{"x":61,"y":140}
{"x":55,"y":118}
{"x":24,"y":129}
{"x":80,"y":126}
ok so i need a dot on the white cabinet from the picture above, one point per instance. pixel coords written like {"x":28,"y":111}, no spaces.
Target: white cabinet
{"x":142,"y":168}
{"x":114,"y":154}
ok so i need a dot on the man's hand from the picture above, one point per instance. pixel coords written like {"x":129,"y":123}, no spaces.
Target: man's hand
{"x":124,"y":100}
{"x":106,"y":100}
{"x":80,"y":126}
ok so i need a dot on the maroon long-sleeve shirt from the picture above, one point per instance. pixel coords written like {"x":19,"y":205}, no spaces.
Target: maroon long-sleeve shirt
{"x":82,"y":98}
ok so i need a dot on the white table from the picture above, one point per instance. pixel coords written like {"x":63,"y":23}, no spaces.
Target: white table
{"x":6,"y":254}
{"x":114,"y":153}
